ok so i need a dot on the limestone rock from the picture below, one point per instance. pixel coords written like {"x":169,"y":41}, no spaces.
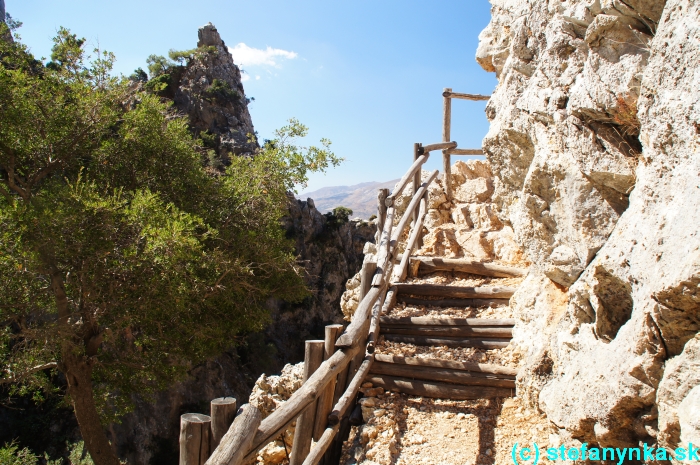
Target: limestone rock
{"x":681,"y":377}
{"x":210,"y":92}
{"x":689,"y":416}
{"x":595,"y":142}
{"x":209,"y":36}
{"x":270,"y":391}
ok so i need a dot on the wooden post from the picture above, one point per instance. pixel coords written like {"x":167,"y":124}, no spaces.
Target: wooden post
{"x":223,"y":411}
{"x":325,"y":400}
{"x":446,"y":123}
{"x":416,"y":177}
{"x":381,"y":213}
{"x":238,"y":438}
{"x":195,"y":438}
{"x":313,"y":357}
{"x":368,"y":270}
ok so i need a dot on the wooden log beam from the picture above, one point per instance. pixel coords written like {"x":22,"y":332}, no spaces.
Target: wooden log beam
{"x":396,"y":233}
{"x":438,"y":390}
{"x":447,"y":169}
{"x":433,"y":264}
{"x":446,"y":128}
{"x":320,"y":448}
{"x":280,"y":419}
{"x":223,"y":411}
{"x":463,"y":303}
{"x":399,"y":273}
{"x":465,"y":151}
{"x":195,"y":438}
{"x":335,"y":452}
{"x":441,"y":290}
{"x":475,"y":97}
{"x":445,"y":145}
{"x":442,"y":375}
{"x":451,"y":364}
{"x":303,"y":434}
{"x":366,"y":276}
{"x":480,"y":343}
{"x":389,"y":302}
{"x":381,"y":213}
{"x":415,"y":168}
{"x":347,"y":400}
{"x":238,"y":439}
{"x":428,"y":320}
{"x":417,"y":151}
{"x":325,"y":400}
{"x":352,"y":334}
{"x":449,"y":331}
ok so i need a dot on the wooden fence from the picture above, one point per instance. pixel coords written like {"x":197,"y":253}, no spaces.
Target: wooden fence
{"x":334,"y":368}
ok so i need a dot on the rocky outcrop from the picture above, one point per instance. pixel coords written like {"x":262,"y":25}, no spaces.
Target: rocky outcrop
{"x":331,"y":252}
{"x":595,"y":138}
{"x":209,"y":91}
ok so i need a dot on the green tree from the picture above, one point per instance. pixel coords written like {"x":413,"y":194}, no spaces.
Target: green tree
{"x":122,"y":263}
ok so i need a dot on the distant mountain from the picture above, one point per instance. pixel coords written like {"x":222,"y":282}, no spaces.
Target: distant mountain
{"x":360,"y":198}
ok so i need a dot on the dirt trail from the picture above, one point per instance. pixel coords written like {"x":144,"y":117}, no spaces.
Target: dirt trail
{"x":404,"y":429}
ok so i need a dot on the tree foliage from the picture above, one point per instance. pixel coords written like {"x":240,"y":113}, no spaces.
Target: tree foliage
{"x":122,"y":263}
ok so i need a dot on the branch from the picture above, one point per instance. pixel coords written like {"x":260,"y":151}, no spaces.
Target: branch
{"x":15,"y":378}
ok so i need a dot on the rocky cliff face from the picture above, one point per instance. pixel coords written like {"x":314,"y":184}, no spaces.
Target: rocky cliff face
{"x":330,"y":251}
{"x":208,"y":89}
{"x":595,"y":136}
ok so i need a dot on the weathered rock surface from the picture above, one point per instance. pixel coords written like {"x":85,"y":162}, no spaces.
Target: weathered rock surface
{"x":467,"y":226}
{"x":595,"y":139}
{"x":210,"y":92}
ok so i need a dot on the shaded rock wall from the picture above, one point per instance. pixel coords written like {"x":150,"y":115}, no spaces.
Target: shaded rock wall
{"x":595,"y":136}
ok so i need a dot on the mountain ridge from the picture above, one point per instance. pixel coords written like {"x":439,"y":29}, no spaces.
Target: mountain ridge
{"x":360,"y":198}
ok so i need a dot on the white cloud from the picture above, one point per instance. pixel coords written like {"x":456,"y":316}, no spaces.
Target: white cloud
{"x":245,"y":77}
{"x":257,"y":78}
{"x":250,"y":56}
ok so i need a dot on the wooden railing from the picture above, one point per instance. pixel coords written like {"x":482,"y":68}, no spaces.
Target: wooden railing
{"x":448,"y":95}
{"x":335,"y":367}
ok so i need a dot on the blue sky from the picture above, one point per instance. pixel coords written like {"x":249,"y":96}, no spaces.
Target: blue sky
{"x":368,"y":75}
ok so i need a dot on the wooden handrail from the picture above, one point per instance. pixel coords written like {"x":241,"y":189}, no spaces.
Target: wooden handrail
{"x":465,"y":152}
{"x":411,"y":206}
{"x":234,"y":444}
{"x":389,"y":302}
{"x":399,"y":273}
{"x":462,"y":96}
{"x":351,"y":335}
{"x":440,"y":146}
{"x":406,"y":177}
{"x":276,"y":423}
{"x":320,"y":448}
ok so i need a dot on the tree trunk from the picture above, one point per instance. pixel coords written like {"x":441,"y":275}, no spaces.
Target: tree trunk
{"x":78,"y":371}
{"x":79,"y":376}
